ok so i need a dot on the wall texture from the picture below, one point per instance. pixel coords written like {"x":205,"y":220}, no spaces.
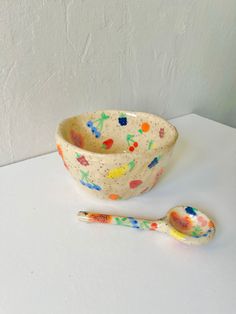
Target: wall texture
{"x":59,"y":58}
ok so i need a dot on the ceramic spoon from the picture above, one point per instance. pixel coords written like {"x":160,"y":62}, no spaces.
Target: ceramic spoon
{"x":184,"y":223}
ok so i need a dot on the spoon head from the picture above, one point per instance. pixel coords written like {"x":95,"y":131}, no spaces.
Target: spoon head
{"x":190,"y":225}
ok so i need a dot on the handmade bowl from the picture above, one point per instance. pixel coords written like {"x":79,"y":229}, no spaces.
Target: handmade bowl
{"x":116,"y":154}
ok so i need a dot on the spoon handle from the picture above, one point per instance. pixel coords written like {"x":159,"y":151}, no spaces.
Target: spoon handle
{"x":138,"y":223}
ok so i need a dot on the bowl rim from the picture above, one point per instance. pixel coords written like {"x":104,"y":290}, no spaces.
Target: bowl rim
{"x":132,"y":113}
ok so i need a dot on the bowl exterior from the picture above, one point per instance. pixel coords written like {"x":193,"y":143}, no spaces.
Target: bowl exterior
{"x":114,"y":176}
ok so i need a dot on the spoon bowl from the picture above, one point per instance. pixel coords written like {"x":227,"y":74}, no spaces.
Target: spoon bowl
{"x":189,"y":225}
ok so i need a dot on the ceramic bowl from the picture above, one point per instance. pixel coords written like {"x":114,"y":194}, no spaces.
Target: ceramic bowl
{"x":116,"y":154}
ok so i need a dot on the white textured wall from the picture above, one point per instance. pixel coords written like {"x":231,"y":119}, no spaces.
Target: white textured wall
{"x":59,"y":58}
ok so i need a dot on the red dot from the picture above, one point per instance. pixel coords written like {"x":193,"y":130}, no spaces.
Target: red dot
{"x":131,"y":148}
{"x":135,"y":144}
{"x":153,"y":225}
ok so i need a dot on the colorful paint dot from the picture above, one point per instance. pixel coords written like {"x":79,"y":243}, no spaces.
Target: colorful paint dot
{"x":97,"y":134}
{"x":89,"y":124}
{"x":94,"y":129}
{"x":190,"y":210}
{"x":202,"y":221}
{"x":102,"y":218}
{"x":122,"y":119}
{"x":97,"y":187}
{"x":82,"y":160}
{"x":153,"y":163}
{"x":60,"y":152}
{"x":180,"y":222}
{"x":108,"y":143}
{"x":161,"y":132}
{"x":76,"y":138}
{"x":135,"y":183}
{"x":145,"y":127}
{"x":121,"y":171}
{"x":177,"y":235}
{"x":150,"y":144}
{"x":114,"y":197}
{"x":211,"y":224}
{"x":153,"y":226}
{"x":134,"y":222}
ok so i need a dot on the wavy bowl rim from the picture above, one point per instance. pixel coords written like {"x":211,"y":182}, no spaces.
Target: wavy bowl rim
{"x":171,"y":143}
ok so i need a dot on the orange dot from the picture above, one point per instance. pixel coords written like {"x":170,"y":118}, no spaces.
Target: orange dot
{"x":145,"y":127}
{"x":211,"y":224}
{"x":59,"y":150}
{"x":114,"y":197}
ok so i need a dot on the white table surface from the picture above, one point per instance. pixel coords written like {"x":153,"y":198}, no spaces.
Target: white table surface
{"x":50,"y":263}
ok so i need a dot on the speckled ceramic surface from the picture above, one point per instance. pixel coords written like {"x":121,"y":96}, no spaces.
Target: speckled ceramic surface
{"x":116,"y":155}
{"x":184,"y":223}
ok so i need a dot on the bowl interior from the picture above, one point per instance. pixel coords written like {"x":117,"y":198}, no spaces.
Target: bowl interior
{"x":107,"y":132}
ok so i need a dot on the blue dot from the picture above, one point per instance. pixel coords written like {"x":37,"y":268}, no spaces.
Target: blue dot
{"x":97,"y":134}
{"x":89,"y":185}
{"x":190,"y":211}
{"x":97,"y":187}
{"x":94,"y":129}
{"x":153,"y":163}
{"x":90,"y":124}
{"x":82,"y":182}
